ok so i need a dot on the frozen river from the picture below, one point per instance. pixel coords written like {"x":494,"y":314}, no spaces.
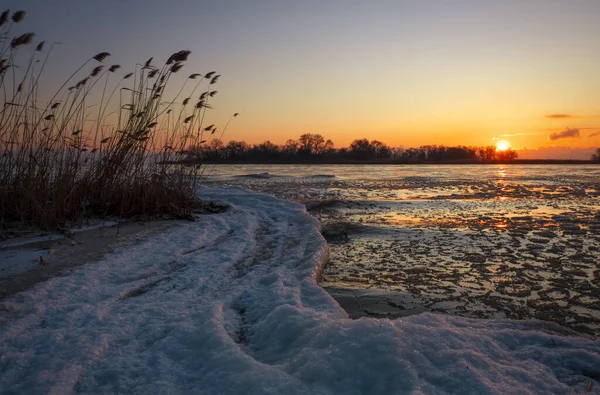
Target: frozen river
{"x":489,"y":241}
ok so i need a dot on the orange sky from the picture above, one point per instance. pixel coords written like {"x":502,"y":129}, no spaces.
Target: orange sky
{"x":409,"y":73}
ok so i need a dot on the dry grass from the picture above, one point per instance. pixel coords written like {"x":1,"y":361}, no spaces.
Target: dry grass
{"x":61,"y":163}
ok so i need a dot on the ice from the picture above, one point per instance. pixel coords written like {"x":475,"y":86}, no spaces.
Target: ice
{"x":230,"y":304}
{"x":14,"y":261}
{"x":22,"y":241}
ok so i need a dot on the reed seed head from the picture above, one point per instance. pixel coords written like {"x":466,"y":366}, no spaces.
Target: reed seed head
{"x":101,"y":56}
{"x":18,"y":16}
{"x":23,"y":39}
{"x":114,"y":68}
{"x":96,"y":71}
{"x":153,"y":73}
{"x":40,"y":46}
{"x":214,"y":79}
{"x":194,"y":76}
{"x":176,"y":67}
{"x":81,"y":83}
{"x":180,"y":56}
{"x":127,"y":76}
{"x":186,"y":101}
{"x":4,"y":17}
{"x":209,"y":75}
{"x":148,"y":62}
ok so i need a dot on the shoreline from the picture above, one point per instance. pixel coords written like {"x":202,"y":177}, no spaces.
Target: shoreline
{"x":229,"y":303}
{"x":395,"y":162}
{"x":374,"y":303}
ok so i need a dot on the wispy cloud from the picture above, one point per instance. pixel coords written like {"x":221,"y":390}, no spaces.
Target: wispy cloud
{"x":559,"y":116}
{"x":594,"y":134}
{"x":580,"y":129}
{"x":520,"y":134}
{"x":570,"y":116}
{"x":565,"y":134}
{"x":517,"y":135}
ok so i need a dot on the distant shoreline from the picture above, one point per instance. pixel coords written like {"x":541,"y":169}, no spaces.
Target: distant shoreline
{"x":396,"y":162}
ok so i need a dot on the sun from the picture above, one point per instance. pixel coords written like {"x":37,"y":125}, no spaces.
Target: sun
{"x":502,"y":145}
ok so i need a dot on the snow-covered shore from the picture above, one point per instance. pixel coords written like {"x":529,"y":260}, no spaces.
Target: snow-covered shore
{"x":230,"y":304}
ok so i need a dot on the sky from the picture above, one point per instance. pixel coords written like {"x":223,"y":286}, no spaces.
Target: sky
{"x":406,"y":72}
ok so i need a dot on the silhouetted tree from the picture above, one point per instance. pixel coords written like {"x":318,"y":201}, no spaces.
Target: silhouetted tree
{"x":314,"y":147}
{"x":290,"y":147}
{"x":361,"y":149}
{"x":382,"y":151}
{"x":265,"y":151}
{"x":313,"y":144}
{"x":236,"y":149}
{"x":215,"y":149}
{"x":596,"y":156}
{"x":487,"y":154}
{"x":507,"y":155}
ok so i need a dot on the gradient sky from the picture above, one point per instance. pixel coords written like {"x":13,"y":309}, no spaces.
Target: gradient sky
{"x":405,"y":72}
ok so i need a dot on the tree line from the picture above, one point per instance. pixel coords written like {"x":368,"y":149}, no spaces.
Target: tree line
{"x":309,"y":148}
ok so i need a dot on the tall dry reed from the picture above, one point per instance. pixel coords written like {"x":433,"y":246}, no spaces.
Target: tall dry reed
{"x":72,"y":157}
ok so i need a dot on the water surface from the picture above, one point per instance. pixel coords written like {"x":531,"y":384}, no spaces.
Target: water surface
{"x":490,"y":241}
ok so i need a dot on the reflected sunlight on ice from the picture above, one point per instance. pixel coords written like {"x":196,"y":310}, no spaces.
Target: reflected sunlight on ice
{"x":516,"y":241}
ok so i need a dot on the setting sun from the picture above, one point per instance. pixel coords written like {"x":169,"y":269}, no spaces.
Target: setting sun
{"x":502,"y":145}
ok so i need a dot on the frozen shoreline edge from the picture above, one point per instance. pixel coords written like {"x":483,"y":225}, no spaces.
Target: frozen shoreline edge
{"x":231,"y":303}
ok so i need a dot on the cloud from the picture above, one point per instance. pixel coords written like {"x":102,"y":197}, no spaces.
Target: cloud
{"x":594,"y":134}
{"x":565,"y":134}
{"x":516,"y":135}
{"x":559,"y":116}
{"x":519,"y":134}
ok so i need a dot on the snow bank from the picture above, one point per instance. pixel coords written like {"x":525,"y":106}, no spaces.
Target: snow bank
{"x":229,"y":304}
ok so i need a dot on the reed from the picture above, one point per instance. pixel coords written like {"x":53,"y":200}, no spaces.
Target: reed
{"x":103,"y":145}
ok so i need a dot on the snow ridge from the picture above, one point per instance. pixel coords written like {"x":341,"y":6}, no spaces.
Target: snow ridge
{"x":230,"y":304}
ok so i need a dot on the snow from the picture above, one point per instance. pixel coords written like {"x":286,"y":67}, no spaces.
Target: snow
{"x":230,"y":304}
